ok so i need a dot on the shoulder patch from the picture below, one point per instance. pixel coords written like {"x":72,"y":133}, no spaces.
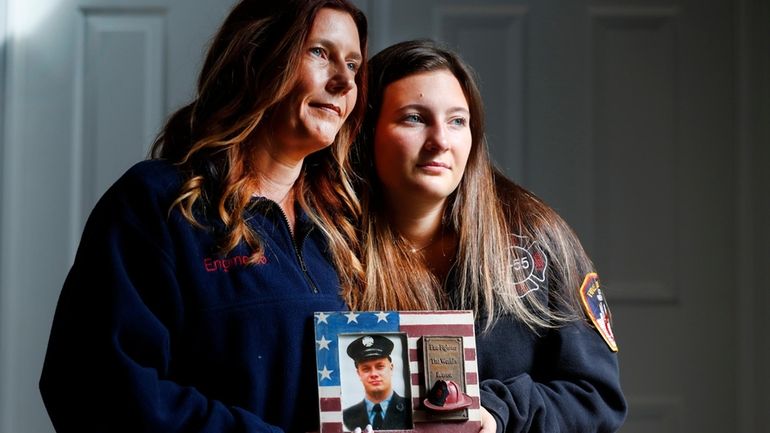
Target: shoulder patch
{"x":596,"y":308}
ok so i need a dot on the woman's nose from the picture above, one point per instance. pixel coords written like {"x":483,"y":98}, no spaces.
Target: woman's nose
{"x":342,"y":80}
{"x":437,"y":139}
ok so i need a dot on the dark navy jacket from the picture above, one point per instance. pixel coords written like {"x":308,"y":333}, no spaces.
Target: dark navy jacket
{"x":566,"y":380}
{"x":155,"y":332}
{"x":397,"y":416}
{"x":563,"y":380}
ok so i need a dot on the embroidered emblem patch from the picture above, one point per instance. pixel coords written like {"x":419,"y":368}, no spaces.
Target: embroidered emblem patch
{"x":531,"y":262}
{"x":597,"y":309}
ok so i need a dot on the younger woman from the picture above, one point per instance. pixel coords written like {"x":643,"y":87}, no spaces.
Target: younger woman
{"x":443,"y":229}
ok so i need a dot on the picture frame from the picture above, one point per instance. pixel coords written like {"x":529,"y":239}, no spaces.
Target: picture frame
{"x":414,"y":348}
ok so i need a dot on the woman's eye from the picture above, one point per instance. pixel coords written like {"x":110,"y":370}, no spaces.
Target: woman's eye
{"x":353,"y":66}
{"x":317,"y":51}
{"x":412,"y":118}
{"x":459,"y":121}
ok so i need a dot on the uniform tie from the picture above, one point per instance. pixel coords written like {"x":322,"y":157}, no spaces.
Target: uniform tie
{"x":377,"y":423}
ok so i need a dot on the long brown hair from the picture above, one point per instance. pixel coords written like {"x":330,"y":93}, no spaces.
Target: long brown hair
{"x":485,"y":212}
{"x":250,"y":67}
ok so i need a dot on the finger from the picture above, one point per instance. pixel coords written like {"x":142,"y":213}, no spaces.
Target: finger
{"x":488,"y":422}
{"x":357,"y":430}
{"x":369,"y":428}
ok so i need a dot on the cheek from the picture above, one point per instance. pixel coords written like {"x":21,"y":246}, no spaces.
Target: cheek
{"x":390,"y":151}
{"x":382,"y":155}
{"x":464,"y":151}
{"x":351,"y":100}
{"x":291,"y":106}
{"x":307,"y":84}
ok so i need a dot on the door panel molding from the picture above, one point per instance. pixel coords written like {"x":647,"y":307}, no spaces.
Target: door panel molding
{"x":119,"y":98}
{"x":633,"y":100}
{"x":473,"y":29}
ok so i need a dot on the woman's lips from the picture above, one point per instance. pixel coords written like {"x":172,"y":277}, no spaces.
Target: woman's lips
{"x":435,"y":164}
{"x":327,"y":107}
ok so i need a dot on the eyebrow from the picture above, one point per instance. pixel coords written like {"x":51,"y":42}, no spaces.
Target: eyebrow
{"x":460,"y":110}
{"x":425,"y":107}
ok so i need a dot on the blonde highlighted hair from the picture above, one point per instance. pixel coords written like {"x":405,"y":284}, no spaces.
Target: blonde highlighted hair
{"x":250,"y":67}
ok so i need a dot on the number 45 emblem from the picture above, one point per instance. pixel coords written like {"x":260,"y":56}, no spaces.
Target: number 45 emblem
{"x":529,"y":264}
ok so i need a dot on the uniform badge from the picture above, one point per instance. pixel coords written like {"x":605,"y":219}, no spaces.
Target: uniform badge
{"x":531,"y":262}
{"x":596,"y":308}
{"x":367,"y":341}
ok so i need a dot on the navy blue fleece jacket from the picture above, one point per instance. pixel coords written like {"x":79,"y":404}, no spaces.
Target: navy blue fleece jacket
{"x":565,"y":380}
{"x":156,"y":332}
{"x":560,"y":380}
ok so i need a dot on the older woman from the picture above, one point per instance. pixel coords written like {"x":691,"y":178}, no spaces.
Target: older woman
{"x":443,"y":229}
{"x":189,"y":305}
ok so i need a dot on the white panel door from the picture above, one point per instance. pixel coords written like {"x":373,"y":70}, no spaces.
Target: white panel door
{"x":620,"y":114}
{"x":89,"y":83}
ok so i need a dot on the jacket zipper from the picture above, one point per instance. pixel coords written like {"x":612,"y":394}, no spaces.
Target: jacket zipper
{"x":297,"y":252}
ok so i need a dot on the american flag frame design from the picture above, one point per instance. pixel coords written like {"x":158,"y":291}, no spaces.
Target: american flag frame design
{"x":415,"y":324}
